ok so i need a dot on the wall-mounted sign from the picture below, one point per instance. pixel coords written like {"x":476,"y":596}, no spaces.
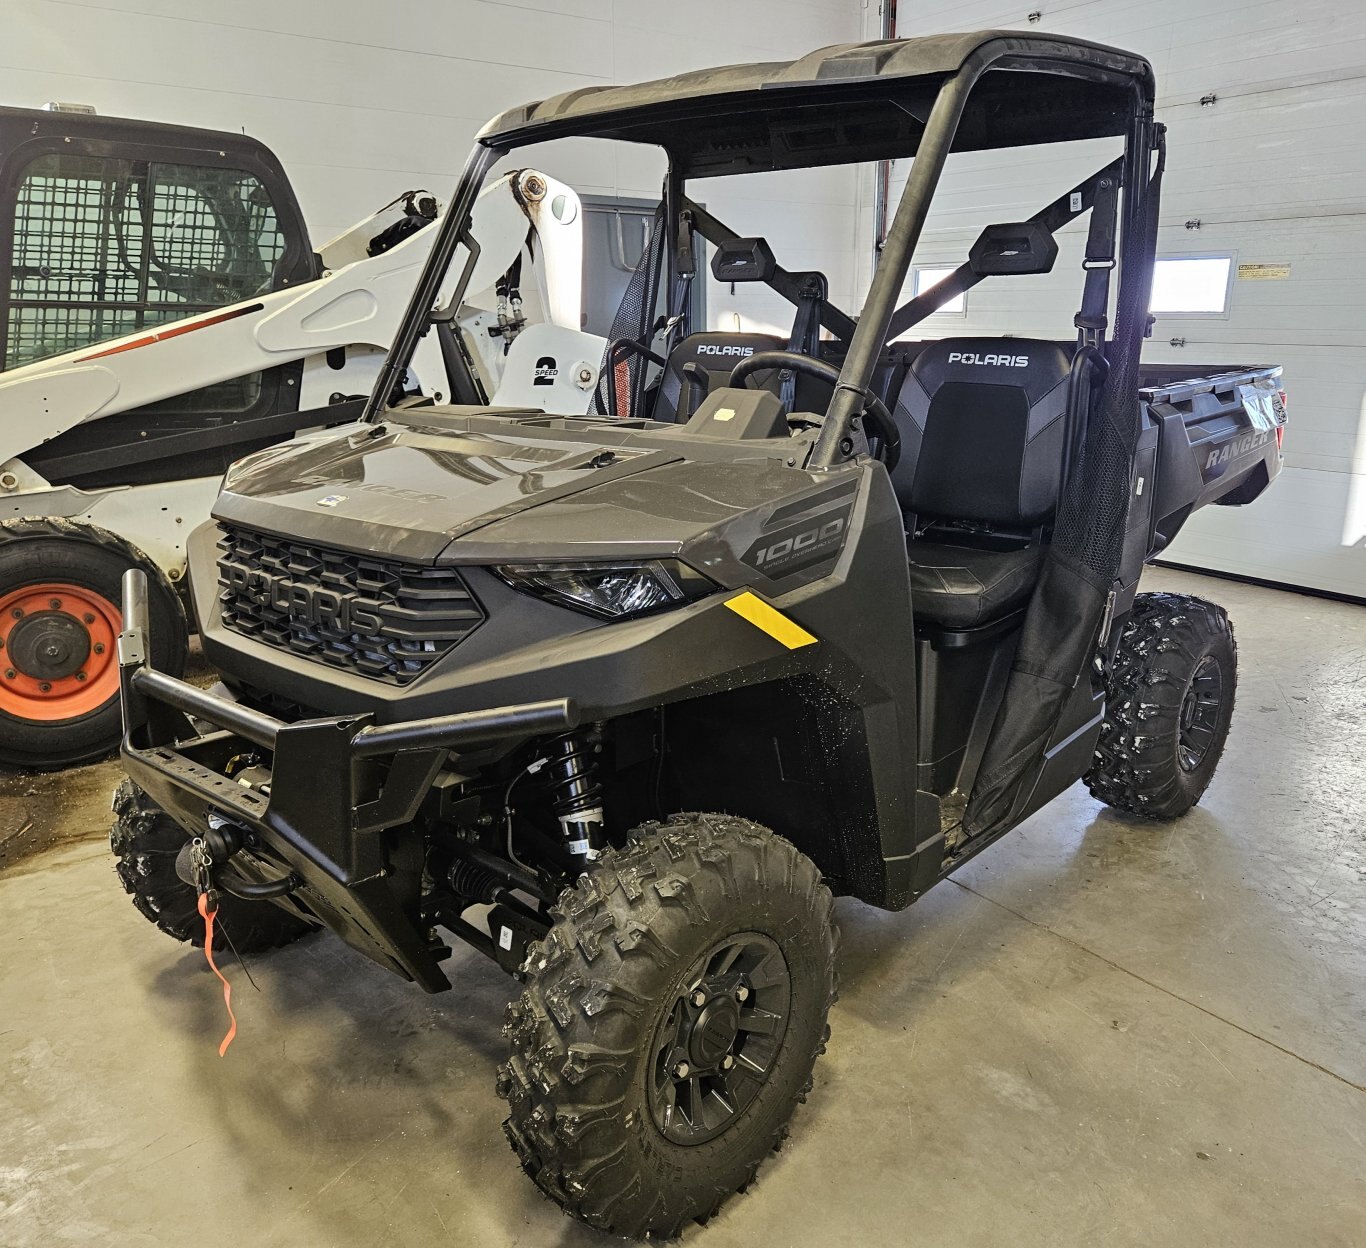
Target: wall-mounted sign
{"x":1263,"y":272}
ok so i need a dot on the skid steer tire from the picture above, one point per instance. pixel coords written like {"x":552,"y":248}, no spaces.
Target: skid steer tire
{"x":60,"y":617}
{"x":1168,"y":706}
{"x":145,"y":841}
{"x":698,"y":960}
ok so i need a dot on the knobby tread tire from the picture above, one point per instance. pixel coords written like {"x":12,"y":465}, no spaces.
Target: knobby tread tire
{"x":596,"y":987}
{"x":1136,"y":768}
{"x":145,"y":841}
{"x":43,"y":548}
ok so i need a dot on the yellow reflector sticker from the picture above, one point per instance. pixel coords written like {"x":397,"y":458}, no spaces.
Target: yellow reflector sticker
{"x":771,"y":621}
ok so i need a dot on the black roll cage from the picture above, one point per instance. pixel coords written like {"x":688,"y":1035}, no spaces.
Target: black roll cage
{"x":881,"y":320}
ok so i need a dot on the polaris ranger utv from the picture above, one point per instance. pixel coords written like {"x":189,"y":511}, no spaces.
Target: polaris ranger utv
{"x":862,"y":617}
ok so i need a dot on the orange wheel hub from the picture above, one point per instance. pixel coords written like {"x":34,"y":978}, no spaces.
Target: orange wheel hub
{"x":57,"y":651}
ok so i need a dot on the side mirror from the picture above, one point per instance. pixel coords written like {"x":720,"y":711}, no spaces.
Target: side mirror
{"x":1019,"y":247}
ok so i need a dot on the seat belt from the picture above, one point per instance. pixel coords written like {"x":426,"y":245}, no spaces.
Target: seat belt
{"x":685,"y":269}
{"x":806,"y":331}
{"x":1092,"y":320}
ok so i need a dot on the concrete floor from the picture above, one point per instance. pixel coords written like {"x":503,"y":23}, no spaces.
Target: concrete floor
{"x":1098,"y":1033}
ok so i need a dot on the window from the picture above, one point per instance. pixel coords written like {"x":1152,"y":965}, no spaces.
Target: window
{"x":105,"y":246}
{"x":930,"y":276}
{"x":1191,"y":286}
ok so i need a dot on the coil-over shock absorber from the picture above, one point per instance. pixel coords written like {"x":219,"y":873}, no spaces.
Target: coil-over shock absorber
{"x":577,"y":794}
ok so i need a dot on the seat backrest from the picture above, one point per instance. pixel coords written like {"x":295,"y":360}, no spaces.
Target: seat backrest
{"x":717,"y":354}
{"x":983,"y":430}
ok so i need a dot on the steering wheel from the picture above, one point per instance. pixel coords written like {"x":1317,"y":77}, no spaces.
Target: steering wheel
{"x":883,"y":426}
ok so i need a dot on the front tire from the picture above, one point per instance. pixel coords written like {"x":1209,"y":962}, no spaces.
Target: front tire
{"x":146,"y":841}
{"x":60,"y":617}
{"x":670,"y":1023}
{"x":1168,"y":706}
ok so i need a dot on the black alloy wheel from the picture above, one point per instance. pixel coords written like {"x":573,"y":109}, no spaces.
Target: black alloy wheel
{"x":1200,"y":713}
{"x":716,"y":1046}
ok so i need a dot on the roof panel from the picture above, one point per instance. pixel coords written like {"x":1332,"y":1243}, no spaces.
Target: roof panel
{"x":612,"y":110}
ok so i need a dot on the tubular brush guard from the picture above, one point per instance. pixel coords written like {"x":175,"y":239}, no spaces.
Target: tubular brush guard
{"x":321,"y":791}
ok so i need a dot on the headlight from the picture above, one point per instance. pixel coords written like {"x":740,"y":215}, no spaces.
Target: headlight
{"x":611,"y":591}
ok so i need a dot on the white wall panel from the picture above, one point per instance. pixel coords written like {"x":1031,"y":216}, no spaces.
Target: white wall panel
{"x":1275,"y":171}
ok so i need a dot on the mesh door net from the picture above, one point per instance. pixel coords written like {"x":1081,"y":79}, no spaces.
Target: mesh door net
{"x":1065,"y":613}
{"x":623,"y":380}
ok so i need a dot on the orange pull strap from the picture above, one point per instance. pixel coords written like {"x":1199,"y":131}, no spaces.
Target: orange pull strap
{"x":208,"y":916}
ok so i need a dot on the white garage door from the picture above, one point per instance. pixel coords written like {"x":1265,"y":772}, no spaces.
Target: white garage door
{"x":1273,"y":167}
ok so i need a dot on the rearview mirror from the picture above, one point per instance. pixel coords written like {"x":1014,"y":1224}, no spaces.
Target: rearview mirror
{"x":743,"y":260}
{"x":1018,"y":247}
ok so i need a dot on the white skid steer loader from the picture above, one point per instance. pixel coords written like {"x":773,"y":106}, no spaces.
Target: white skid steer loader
{"x":112,"y":442}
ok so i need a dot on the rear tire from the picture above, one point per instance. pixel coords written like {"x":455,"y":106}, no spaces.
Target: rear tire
{"x":1168,"y":706}
{"x":60,"y":614}
{"x":697,"y":961}
{"x":145,"y":841}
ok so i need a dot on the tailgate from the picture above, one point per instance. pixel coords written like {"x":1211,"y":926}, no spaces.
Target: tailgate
{"x":1220,"y":433}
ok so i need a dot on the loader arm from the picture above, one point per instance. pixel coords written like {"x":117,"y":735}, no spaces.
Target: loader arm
{"x":358,"y":305}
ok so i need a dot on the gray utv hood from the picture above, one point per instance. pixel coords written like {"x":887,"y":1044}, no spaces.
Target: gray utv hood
{"x":407,"y":495}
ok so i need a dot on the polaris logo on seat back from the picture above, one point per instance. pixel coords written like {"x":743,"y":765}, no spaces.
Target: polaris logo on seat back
{"x":717,"y":348}
{"x":998,"y":361}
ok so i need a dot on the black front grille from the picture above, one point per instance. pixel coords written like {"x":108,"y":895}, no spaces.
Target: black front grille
{"x":383,"y":619}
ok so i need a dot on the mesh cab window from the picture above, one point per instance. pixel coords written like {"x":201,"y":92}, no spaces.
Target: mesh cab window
{"x":105,"y":246}
{"x":213,"y":237}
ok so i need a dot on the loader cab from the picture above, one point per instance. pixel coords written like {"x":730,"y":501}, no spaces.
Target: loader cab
{"x":110,"y":225}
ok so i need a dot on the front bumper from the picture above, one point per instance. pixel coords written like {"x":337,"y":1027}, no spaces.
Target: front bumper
{"x":322,"y":792}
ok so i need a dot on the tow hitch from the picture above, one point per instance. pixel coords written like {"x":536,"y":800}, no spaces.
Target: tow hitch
{"x":309,"y":822}
{"x":206,"y":858}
